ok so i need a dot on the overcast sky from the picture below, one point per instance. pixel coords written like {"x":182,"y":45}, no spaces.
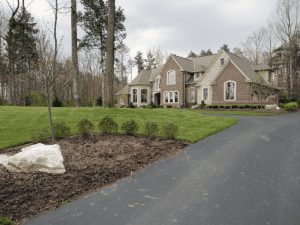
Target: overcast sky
{"x":177,"y":26}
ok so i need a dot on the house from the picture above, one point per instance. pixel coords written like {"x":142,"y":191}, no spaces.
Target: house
{"x":222,"y":78}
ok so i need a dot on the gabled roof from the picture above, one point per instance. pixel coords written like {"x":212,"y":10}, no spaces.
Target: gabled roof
{"x":203,"y":62}
{"x":260,"y":67}
{"x":143,"y":78}
{"x":156,"y":72}
{"x":193,"y":65}
{"x":124,"y":91}
{"x":246,"y":68}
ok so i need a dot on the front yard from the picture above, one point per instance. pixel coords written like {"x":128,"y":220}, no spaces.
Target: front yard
{"x":18,"y":123}
{"x":92,"y":163}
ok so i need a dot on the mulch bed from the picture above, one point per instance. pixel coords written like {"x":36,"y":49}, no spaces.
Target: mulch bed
{"x":90,"y":164}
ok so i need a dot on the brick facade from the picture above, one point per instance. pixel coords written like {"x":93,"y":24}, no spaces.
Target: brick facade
{"x":242,"y":88}
{"x":179,"y":86}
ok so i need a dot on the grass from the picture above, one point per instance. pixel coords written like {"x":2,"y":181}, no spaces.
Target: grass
{"x":241,"y":113}
{"x":18,"y":123}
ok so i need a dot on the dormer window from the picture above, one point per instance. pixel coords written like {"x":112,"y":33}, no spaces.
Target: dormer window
{"x":222,"y":61}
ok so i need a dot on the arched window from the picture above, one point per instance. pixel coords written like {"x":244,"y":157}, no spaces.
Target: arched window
{"x":144,"y":96}
{"x":134,"y":96}
{"x":171,"y":77}
{"x":230,"y":91}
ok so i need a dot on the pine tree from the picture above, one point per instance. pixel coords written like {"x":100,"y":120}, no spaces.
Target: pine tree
{"x":21,"y":41}
{"x":192,"y":55}
{"x":139,"y":61}
{"x":150,"y":61}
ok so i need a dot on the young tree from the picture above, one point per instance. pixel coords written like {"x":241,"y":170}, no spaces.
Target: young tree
{"x":139,"y":61}
{"x":110,"y":52}
{"x":76,"y":75}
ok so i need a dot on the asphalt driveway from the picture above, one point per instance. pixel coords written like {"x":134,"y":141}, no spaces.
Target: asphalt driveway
{"x":247,"y":174}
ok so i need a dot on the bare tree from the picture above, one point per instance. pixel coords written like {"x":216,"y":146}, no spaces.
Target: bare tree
{"x":76,"y":78}
{"x":48,"y":64}
{"x":253,"y":47}
{"x":110,"y":53}
{"x":287,"y":25}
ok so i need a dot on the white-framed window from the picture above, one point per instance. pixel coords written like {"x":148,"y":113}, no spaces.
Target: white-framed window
{"x":134,"y":95}
{"x":205,"y":94}
{"x":230,"y":91}
{"x":144,"y":94}
{"x":171,"y":77}
{"x":171,"y":96}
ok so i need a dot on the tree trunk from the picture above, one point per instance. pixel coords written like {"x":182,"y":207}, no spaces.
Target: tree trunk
{"x":110,"y":53}
{"x":76,"y":78}
{"x":291,"y":74}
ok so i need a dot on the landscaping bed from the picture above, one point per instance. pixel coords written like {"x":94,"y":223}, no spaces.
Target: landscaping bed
{"x":90,"y":165}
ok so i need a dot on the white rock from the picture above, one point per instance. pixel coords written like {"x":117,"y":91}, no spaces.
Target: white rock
{"x":4,"y":160}
{"x":37,"y":158}
{"x":271,"y":107}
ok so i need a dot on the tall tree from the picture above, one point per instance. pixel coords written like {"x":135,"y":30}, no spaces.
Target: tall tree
{"x":139,"y":61}
{"x":253,"y":47}
{"x":110,"y":45}
{"x":225,"y":47}
{"x":150,"y":61}
{"x":94,"y":21}
{"x":76,"y":77}
{"x":10,"y":51}
{"x":287,"y":24}
{"x":192,"y":54}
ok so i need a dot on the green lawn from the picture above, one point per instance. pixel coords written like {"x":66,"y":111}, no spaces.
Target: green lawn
{"x":17,"y":123}
{"x":241,"y":113}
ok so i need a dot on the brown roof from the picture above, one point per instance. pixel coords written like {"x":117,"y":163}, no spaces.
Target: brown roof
{"x":124,"y":90}
{"x":193,"y":65}
{"x":262,"y":66}
{"x":247,"y":68}
{"x":143,"y":78}
{"x":156,"y":72}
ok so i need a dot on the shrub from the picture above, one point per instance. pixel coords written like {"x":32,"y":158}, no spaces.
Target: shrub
{"x":152,"y":105}
{"x":292,"y":106}
{"x":151,"y":129}
{"x":35,"y":98}
{"x":2,"y":102}
{"x":6,"y":221}
{"x":69,"y":103}
{"x":56,"y":102}
{"x":130,"y":127}
{"x":99,"y":101}
{"x":41,"y":135}
{"x":85,"y":128}
{"x":108,"y":126}
{"x":131,"y":105}
{"x":170,"y":131}
{"x":61,"y":130}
